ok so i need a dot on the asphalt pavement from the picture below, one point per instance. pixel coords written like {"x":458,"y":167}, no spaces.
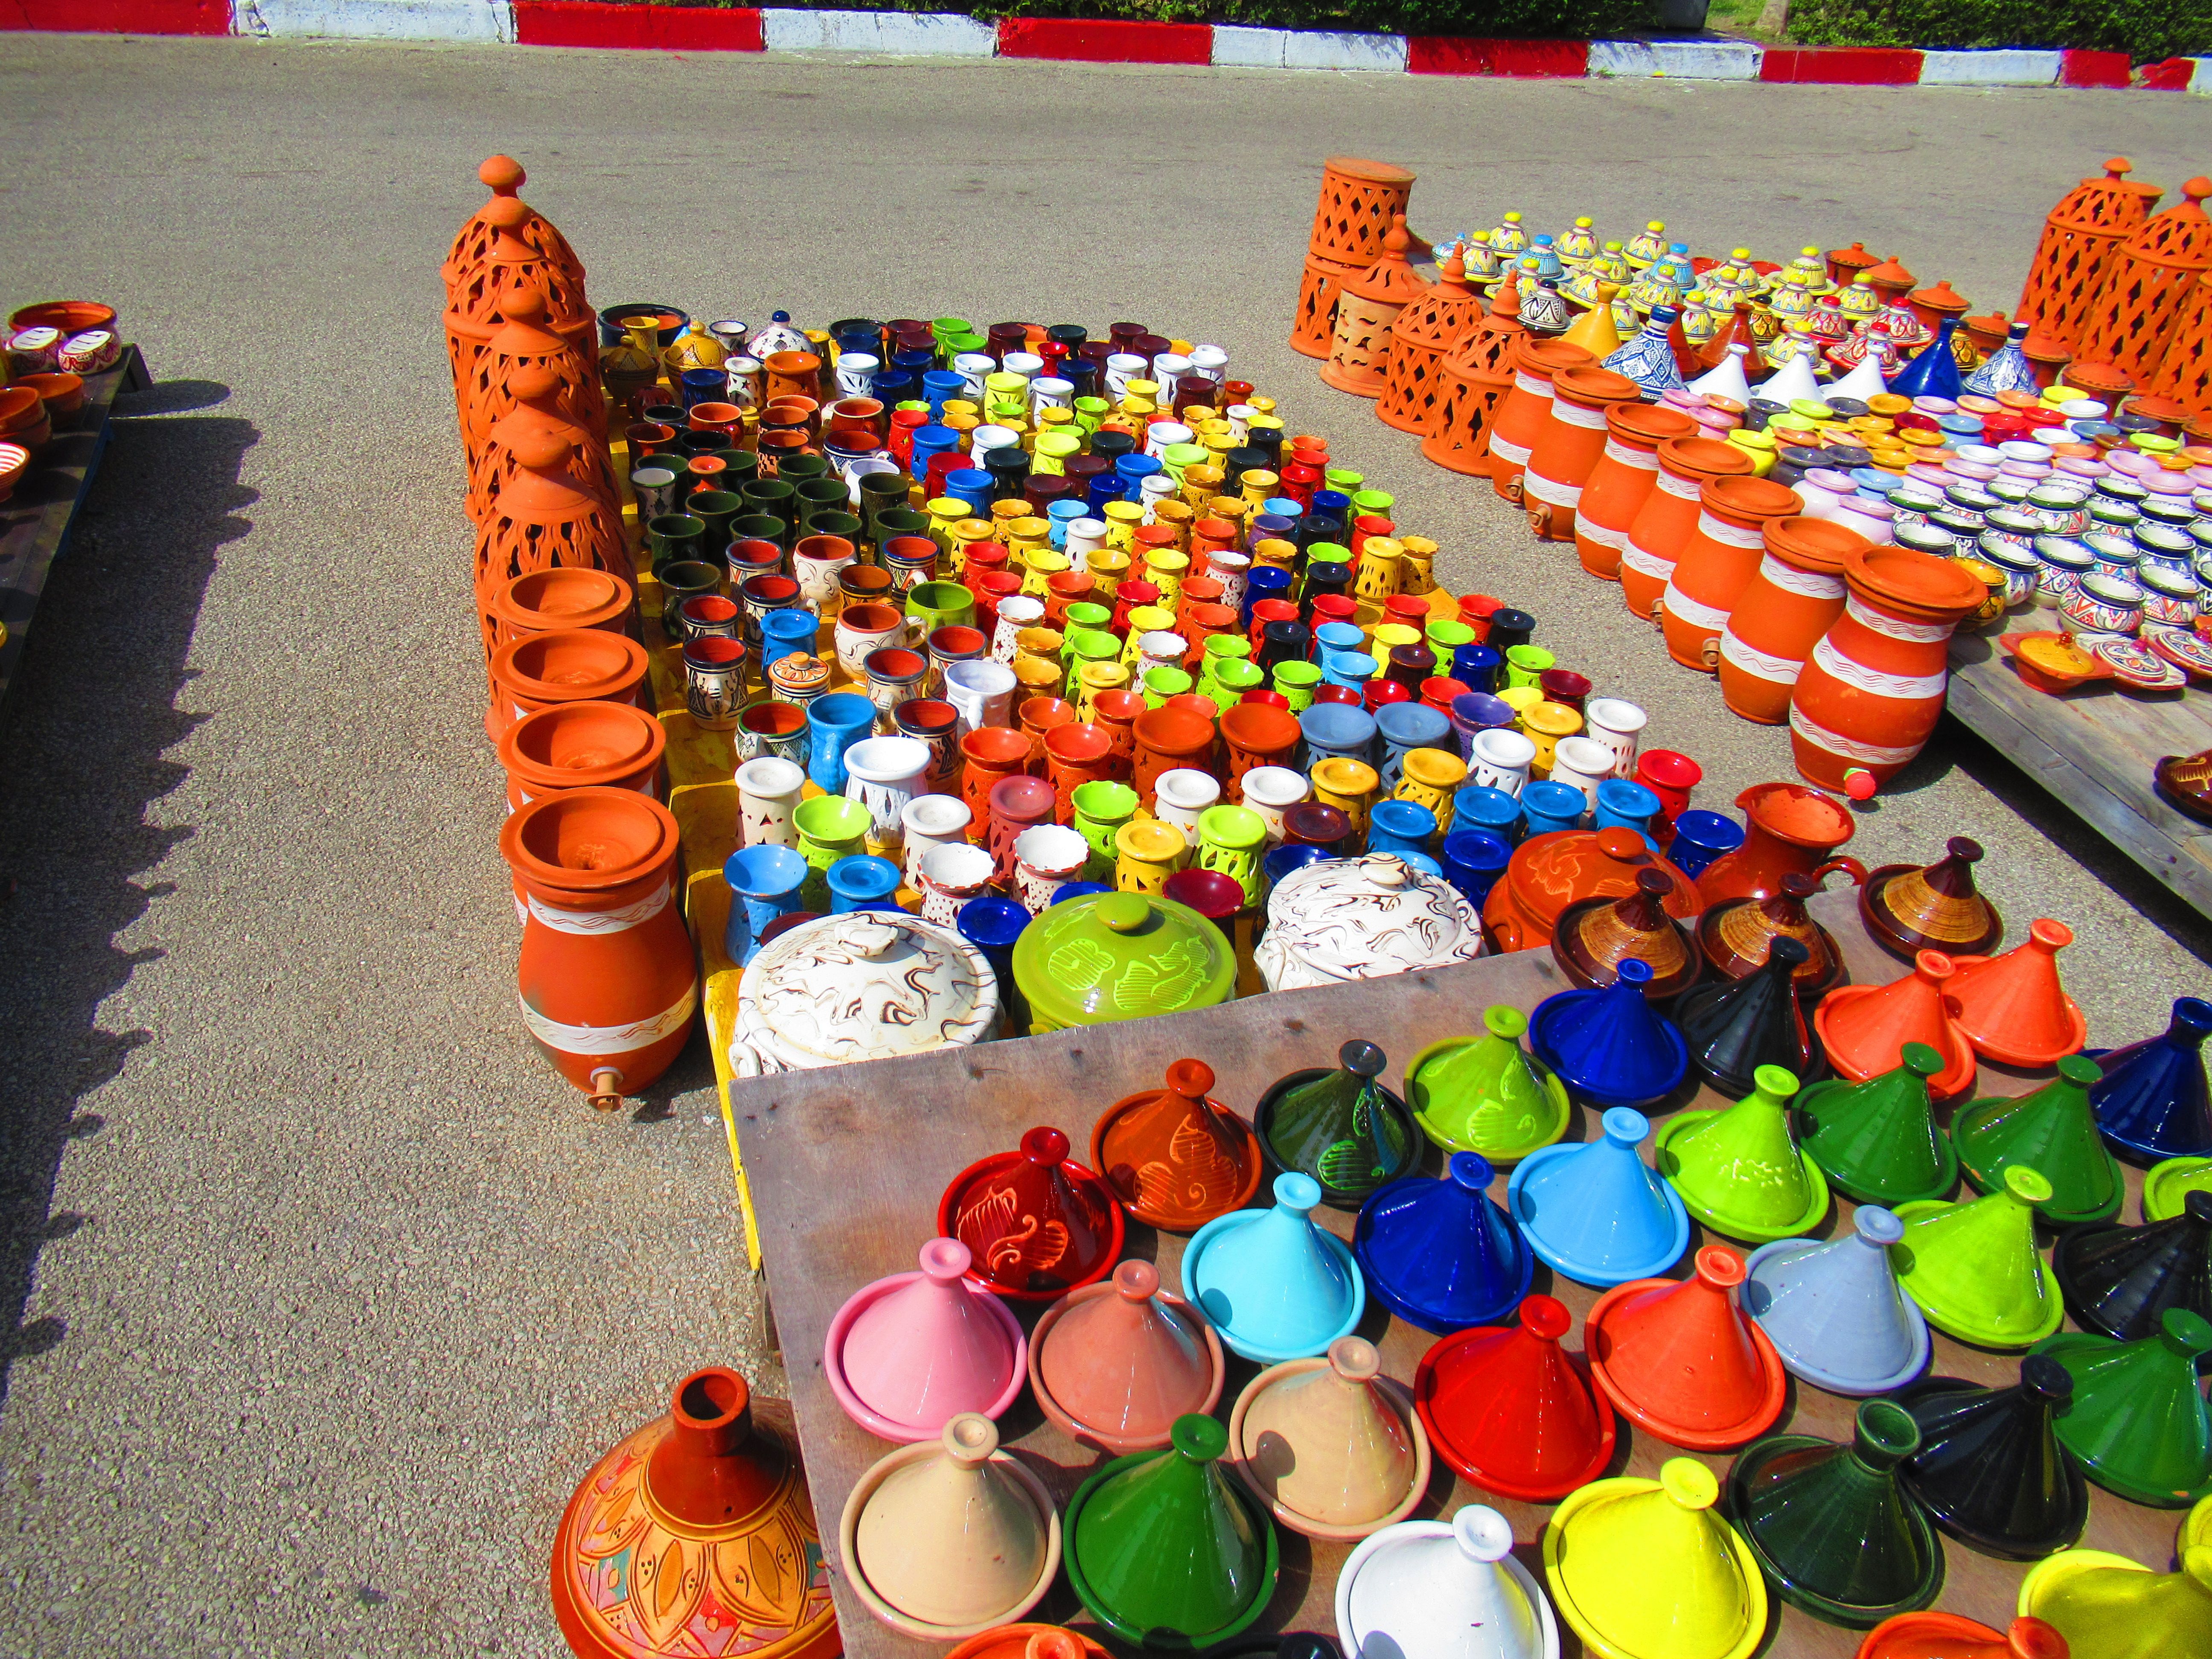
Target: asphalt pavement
{"x":319,"y":1290}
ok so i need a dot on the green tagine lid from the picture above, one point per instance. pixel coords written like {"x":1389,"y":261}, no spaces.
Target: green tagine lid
{"x":1165,"y":1550}
{"x":1877,"y":1142}
{"x":1740,"y":1171}
{"x":2138,"y":1421}
{"x":1488,"y":1094}
{"x":1121,"y":955}
{"x":2052,"y":1131}
{"x":2168,"y":1186}
{"x":1972,"y":1268}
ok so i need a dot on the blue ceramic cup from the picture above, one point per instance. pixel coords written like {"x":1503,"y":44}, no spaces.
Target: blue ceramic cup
{"x":1400,"y":826}
{"x":787,"y":633}
{"x":703,"y":385}
{"x":970,"y":485}
{"x":1475,"y":712}
{"x":1265,"y":581}
{"x":1622,"y":802}
{"x":1494,"y":812}
{"x":1285,"y":860}
{"x":1351,"y":668}
{"x":992,"y":926}
{"x":1405,"y":726}
{"x":1546,"y":807}
{"x":1477,"y":667}
{"x":860,"y":882}
{"x":1700,"y":838}
{"x":835,"y":724}
{"x":939,"y":384}
{"x":1332,"y":636}
{"x":1338,"y":729}
{"x":1060,"y":515}
{"x":1473,"y":862}
{"x":765,"y":883}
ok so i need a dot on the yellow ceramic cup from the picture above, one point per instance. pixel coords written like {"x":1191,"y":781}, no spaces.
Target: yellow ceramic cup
{"x":1145,"y":853}
{"x":1431,"y":777}
{"x":1521,"y":699}
{"x":1176,"y":516}
{"x":1388,"y":635}
{"x":1122,"y":519}
{"x":1347,"y":784}
{"x":1546,"y":723}
{"x":1759,"y":446}
{"x":1091,"y":678}
{"x":1107,"y":567}
{"x":1144,"y":619}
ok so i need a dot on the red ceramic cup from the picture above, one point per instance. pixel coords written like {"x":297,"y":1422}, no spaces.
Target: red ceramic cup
{"x":1038,"y":716}
{"x":1670,"y":777}
{"x":1168,"y":738}
{"x":1378,"y":694}
{"x":1566,"y":686}
{"x":1117,"y":712}
{"x":991,"y":754}
{"x":1438,"y":693}
{"x":1077,"y":755}
{"x":1336,"y":694}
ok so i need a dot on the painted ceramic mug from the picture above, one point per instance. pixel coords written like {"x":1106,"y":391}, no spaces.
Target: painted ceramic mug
{"x":1347,"y":784}
{"x":864,"y":628}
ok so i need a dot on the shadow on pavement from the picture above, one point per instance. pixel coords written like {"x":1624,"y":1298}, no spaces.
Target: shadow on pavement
{"x":83,"y":740}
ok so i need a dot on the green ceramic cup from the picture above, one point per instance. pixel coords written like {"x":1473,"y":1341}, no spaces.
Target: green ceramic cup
{"x":895,"y":521}
{"x":1232,"y":678}
{"x":1343,"y":478}
{"x":1086,"y":617}
{"x":1161,"y":684}
{"x":1176,"y":456}
{"x":1374,"y":503}
{"x":830,"y":827}
{"x":762,"y":528}
{"x":846,"y":525}
{"x":820,"y":495}
{"x":1524,"y":663}
{"x":1102,"y":807}
{"x":1296,"y":679}
{"x":715,"y":508}
{"x":674,"y":536}
{"x":777,"y":496}
{"x":939,"y":605}
{"x":1446,"y":636}
{"x":802,"y":468}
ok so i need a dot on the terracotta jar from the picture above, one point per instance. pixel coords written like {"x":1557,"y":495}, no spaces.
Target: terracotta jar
{"x":540,"y":601}
{"x":1873,"y":689}
{"x":567,"y":664}
{"x":543,"y":519}
{"x":1548,"y":872}
{"x":1663,"y":525}
{"x":1717,"y":564}
{"x":1622,"y":480}
{"x":583,"y":746}
{"x":1470,"y":382}
{"x":607,"y":976}
{"x":535,"y":392}
{"x":1788,"y":829}
{"x":1791,"y":599}
{"x":712,"y":1497}
{"x":523,"y":340}
{"x":1568,"y":446}
{"x":1520,"y":418}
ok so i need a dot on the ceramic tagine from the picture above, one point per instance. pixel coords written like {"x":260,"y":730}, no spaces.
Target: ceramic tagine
{"x":1037,"y":1223}
{"x":1550,"y":872}
{"x":1120,"y":955}
{"x":1735,"y":934}
{"x":1681,"y":1360}
{"x":1113,"y":1365}
{"x":1488,"y":1094}
{"x":1595,"y":1211}
{"x":1594,"y":936}
{"x":1833,"y":1311}
{"x":1276,"y":1286}
{"x":1342,"y":1126}
{"x":907,"y":1354}
{"x":1907,"y":908}
{"x":695,"y":1536}
{"x":2107,"y":1607}
{"x":1441,"y":1254}
{"x":1346,"y":919}
{"x":1437,"y":1590}
{"x":1175,"y":1156}
{"x":1512,"y":1410}
{"x":1990,"y":1470}
{"x":1331,"y":1445}
{"x":863,"y":986}
{"x":951,"y":1538}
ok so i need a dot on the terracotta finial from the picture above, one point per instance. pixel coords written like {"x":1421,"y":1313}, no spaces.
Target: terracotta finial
{"x":1453,"y":272}
{"x":2119,"y":168}
{"x":506,"y":212}
{"x":542,"y":452}
{"x":527,"y":384}
{"x":1398,"y":239}
{"x":502,"y":174}
{"x":526,"y":305}
{"x":1507,"y":301}
{"x":2197,"y":188}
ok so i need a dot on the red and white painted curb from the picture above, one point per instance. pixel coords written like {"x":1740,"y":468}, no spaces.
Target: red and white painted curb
{"x":1092,"y":41}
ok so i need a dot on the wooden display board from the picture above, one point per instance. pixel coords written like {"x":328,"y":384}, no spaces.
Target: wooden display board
{"x":2093,"y":748}
{"x":846,"y":1165}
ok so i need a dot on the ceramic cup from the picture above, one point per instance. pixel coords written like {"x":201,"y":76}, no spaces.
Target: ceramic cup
{"x":1181,"y":794}
{"x":1046,"y":858}
{"x":1583,"y":763}
{"x":884,"y":774}
{"x":1271,"y":791}
{"x":767,"y":791}
{"x":931,"y":821}
{"x":1619,"y":726}
{"x":951,"y":876}
{"x":982,"y":691}
{"x":865,"y":627}
{"x":765,"y":883}
{"x":1501,"y":760}
{"x":1101,"y":808}
{"x":1350,"y":786}
{"x":772,"y":728}
{"x":1146,"y":854}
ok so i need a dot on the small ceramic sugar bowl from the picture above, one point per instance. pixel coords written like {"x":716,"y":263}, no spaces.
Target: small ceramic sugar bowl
{"x":2104,"y":605}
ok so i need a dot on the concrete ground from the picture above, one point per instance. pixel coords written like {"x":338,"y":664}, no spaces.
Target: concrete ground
{"x":318,"y":1291}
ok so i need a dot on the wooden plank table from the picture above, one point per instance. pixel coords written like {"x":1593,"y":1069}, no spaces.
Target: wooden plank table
{"x":36,"y":519}
{"x":846,"y":1165}
{"x":2092,"y":748}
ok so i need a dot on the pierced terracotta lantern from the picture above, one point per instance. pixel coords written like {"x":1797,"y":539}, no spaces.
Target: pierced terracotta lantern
{"x":503,"y":176}
{"x":2185,"y":373}
{"x":1471,"y":380}
{"x":511,"y":266}
{"x":1359,"y":350}
{"x":536,"y":393}
{"x":1359,"y":201}
{"x":2147,"y":287}
{"x":524,"y":342}
{"x":1423,"y":335}
{"x":695,"y":1536}
{"x":2080,"y":237}
{"x":544,"y":519}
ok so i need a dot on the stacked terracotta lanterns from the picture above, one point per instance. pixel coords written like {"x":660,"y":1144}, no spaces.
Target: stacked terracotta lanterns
{"x":606,"y":978}
{"x":1358,"y":201}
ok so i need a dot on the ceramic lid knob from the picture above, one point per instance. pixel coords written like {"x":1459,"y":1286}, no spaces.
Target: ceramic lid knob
{"x":502,"y":174}
{"x":1295,"y":1193}
{"x":1482,"y":1533}
{"x":1471,"y":1171}
{"x":531,"y":381}
{"x":1687,"y":1482}
{"x":506,"y":212}
{"x":1876,"y":1226}
{"x":1623,"y":1126}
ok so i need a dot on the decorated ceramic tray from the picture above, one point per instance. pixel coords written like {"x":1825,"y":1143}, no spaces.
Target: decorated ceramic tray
{"x":2135,"y":664}
{"x":2185,"y":649}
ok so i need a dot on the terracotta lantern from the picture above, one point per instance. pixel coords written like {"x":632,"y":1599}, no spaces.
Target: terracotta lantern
{"x":2147,"y":287}
{"x":524,"y":342}
{"x":544,"y":519}
{"x":1471,"y":380}
{"x":1358,"y":201}
{"x":695,"y":1536}
{"x":1421,"y":338}
{"x":2185,"y":373}
{"x":535,"y":393}
{"x":1359,"y":351}
{"x":2080,"y":237}
{"x":1320,"y":284}
{"x":503,"y":176}
{"x":511,"y":266}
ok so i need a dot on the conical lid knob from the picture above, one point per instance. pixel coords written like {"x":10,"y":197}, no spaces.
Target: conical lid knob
{"x":2012,"y":1007}
{"x":1440,"y":1253}
{"x":1878,"y":1141}
{"x":2052,"y":1131}
{"x":1330,"y":1442}
{"x":1864,"y":1029}
{"x":1831,"y":1523}
{"x":2106,"y":1610}
{"x":1274,"y":1285}
{"x":1511,"y":1412}
{"x":1833,"y":1311}
{"x":1990,"y":1467}
{"x":1490,"y":1096}
{"x":1740,"y":1171}
{"x":1597,"y":1212}
{"x":1429,"y":1588}
{"x":1735,"y":1027}
{"x":1651,"y":1566}
{"x":1973,"y":1269}
{"x":1123,"y":1362}
{"x":952,"y":1539}
{"x":1164,"y":1544}
{"x":2138,"y":1421}
{"x":929,"y":1348}
{"x":2152,"y":1103}
{"x":2119,"y":1281}
{"x":1682,"y":1360}
{"x":1609,"y":1046}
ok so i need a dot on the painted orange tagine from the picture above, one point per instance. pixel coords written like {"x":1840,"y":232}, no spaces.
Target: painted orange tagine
{"x":696,"y":1536}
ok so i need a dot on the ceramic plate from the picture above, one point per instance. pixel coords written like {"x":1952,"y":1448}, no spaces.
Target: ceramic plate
{"x":2137,"y":664}
{"x":2183,"y":649}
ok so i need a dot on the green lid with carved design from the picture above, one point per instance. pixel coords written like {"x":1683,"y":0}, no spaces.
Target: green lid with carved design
{"x":1120,"y":955}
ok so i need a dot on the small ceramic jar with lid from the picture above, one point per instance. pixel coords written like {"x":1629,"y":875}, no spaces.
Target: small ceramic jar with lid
{"x":863,"y":986}
{"x":1363,"y":918}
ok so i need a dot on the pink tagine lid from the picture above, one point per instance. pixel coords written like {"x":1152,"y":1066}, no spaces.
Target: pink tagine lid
{"x":907,"y":1354}
{"x":1116,"y":1364}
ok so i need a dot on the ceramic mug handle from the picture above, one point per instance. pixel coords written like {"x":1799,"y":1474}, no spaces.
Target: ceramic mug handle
{"x":1850,"y":866}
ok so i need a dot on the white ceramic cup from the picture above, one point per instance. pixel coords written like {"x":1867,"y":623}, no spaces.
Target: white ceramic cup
{"x":1619,"y":727}
{"x":1583,"y":763}
{"x":1160,"y":649}
{"x":1501,"y":760}
{"x":981,"y":692}
{"x":767,"y":790}
{"x":882,"y":774}
{"x":973,"y":367}
{"x":931,"y":821}
{"x":1016,"y":612}
{"x":1122,"y":367}
{"x":1179,"y":795}
{"x":1161,"y":434}
{"x":1272,"y":791}
{"x":1050,"y":392}
{"x":951,"y":876}
{"x":1046,"y":858}
{"x":1210,"y":361}
{"x":1084,"y":538}
{"x":1027,"y":364}
{"x":856,"y":371}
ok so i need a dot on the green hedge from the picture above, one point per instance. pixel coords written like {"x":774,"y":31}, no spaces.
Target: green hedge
{"x":2146,"y":30}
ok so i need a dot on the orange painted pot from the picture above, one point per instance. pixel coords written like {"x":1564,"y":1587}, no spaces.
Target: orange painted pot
{"x":792,"y":375}
{"x":1717,"y":564}
{"x":1168,"y":738}
{"x":1256,"y":734}
{"x":607,"y":974}
{"x":991,"y":754}
{"x":1872,"y":688}
{"x":1793,"y":597}
{"x":1622,"y":481}
{"x":583,"y":746}
{"x":1788,"y":829}
{"x":1117,"y":712}
{"x":1568,"y":446}
{"x":567,"y":665}
{"x":1075,"y":755}
{"x":1524,"y":410}
{"x":541,"y":601}
{"x":1662,"y":526}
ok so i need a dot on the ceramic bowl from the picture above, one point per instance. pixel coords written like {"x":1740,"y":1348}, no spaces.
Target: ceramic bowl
{"x":860,"y":986}
{"x":15,"y":461}
{"x":62,"y":394}
{"x":2104,"y":605}
{"x":70,"y":316}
